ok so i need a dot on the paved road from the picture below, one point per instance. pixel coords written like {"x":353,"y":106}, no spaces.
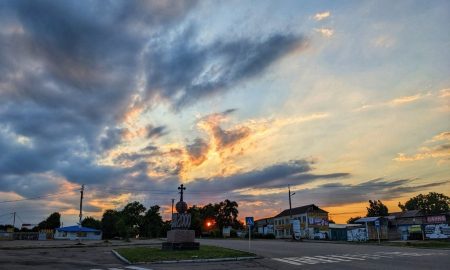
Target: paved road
{"x":323,"y":255}
{"x":277,"y":255}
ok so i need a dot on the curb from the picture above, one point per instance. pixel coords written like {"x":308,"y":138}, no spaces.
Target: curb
{"x":202,"y":260}
{"x":120,"y":257}
{"x":76,"y":246}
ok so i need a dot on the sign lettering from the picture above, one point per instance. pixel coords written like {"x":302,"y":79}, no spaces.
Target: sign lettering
{"x":181,"y":221}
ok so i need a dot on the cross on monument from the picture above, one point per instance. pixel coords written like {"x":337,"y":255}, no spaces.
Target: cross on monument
{"x":181,"y":188}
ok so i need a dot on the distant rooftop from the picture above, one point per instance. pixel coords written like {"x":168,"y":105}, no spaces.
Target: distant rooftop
{"x":76,"y":228}
{"x":301,"y":210}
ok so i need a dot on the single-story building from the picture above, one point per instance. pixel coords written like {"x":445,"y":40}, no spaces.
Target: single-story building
{"x":415,"y":225}
{"x":376,"y":227}
{"x":264,"y":226}
{"x":338,"y":232}
{"x":77,"y":232}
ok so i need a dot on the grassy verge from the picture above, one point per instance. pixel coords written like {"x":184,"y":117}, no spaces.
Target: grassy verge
{"x":151,"y":254}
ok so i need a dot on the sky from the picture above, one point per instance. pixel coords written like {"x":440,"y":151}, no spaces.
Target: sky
{"x":343,"y":101}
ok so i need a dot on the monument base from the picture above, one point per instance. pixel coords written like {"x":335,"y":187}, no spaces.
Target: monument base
{"x":180,"y":240}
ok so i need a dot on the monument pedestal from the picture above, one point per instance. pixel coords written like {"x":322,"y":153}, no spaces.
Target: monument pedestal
{"x":180,"y":240}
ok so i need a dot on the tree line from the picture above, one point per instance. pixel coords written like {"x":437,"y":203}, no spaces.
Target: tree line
{"x":135,"y":220}
{"x":432,"y":203}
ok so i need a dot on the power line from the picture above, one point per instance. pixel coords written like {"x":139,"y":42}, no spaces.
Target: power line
{"x":38,"y":197}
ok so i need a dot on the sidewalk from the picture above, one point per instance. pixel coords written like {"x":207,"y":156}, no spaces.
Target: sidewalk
{"x":30,"y":244}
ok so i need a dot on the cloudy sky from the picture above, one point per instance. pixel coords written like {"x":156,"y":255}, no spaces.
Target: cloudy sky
{"x":344,"y":101}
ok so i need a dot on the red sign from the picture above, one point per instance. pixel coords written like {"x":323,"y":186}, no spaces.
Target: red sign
{"x":436,"y":219}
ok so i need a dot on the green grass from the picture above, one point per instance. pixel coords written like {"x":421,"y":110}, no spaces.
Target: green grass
{"x":152,"y":254}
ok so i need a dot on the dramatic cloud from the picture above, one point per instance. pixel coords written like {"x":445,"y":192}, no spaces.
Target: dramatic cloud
{"x":279,"y":175}
{"x":333,"y":194}
{"x":156,"y":132}
{"x":322,"y":15}
{"x":326,"y":32}
{"x":197,"y":151}
{"x":440,"y":149}
{"x":182,"y":70}
{"x":395,"y":102}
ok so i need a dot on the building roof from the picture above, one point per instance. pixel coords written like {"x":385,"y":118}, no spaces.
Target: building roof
{"x":76,"y":228}
{"x":367,"y":219}
{"x":410,"y":214}
{"x":342,"y":226}
{"x":301,"y":210}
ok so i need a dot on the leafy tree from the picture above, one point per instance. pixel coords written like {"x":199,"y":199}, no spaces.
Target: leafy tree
{"x":227,"y":214}
{"x":52,"y":222}
{"x":132,"y":213}
{"x":131,"y":219}
{"x":352,"y":220}
{"x":196,"y":219}
{"x":109,"y":223}
{"x":377,"y":209}
{"x":91,"y":222}
{"x":152,"y":223}
{"x":165,"y":227}
{"x":431,"y":204}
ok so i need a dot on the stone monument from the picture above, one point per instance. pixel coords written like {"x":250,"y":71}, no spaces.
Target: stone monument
{"x":180,"y":237}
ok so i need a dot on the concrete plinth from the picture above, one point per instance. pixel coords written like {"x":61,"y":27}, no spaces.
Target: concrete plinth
{"x":180,"y":236}
{"x":180,"y":240}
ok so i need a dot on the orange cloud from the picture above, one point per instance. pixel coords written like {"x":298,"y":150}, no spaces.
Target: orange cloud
{"x":322,"y":15}
{"x":440,"y":150}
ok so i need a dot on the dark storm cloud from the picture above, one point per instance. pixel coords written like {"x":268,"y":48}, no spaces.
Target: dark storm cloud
{"x":112,"y":137}
{"x":279,"y":175}
{"x":185,"y":70}
{"x":29,"y":185}
{"x":156,"y":131}
{"x":197,"y":151}
{"x":227,"y":138}
{"x":68,"y":72}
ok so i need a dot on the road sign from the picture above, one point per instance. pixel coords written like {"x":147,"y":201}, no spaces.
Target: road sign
{"x":377,"y":223}
{"x":249,"y":221}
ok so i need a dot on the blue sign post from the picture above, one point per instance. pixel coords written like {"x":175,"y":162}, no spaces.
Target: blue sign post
{"x":250,"y":223}
{"x":377,"y":226}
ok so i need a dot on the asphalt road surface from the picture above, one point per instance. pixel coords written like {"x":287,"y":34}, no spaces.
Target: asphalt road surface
{"x":275,"y":254}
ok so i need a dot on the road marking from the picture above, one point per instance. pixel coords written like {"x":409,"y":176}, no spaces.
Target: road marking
{"x":286,"y":261}
{"x":347,"y":257}
{"x":115,"y":269}
{"x":334,"y":259}
{"x":321,"y":259}
{"x":137,"y":268}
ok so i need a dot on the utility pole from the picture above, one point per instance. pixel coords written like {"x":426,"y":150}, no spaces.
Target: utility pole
{"x":14,"y":220}
{"x":290,"y":211}
{"x":81,"y":203}
{"x":290,"y":204}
